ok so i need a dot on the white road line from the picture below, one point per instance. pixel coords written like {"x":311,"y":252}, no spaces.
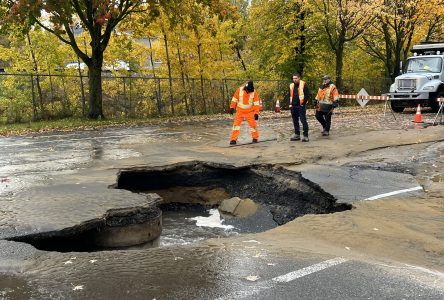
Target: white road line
{"x":309,"y":270}
{"x":268,"y":284}
{"x":395,"y":193}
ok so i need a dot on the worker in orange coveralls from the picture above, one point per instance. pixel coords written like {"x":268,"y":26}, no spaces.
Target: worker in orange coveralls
{"x":246,"y":103}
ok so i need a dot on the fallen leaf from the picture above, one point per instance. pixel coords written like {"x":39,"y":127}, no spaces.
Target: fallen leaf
{"x":251,"y":241}
{"x":252,"y":278}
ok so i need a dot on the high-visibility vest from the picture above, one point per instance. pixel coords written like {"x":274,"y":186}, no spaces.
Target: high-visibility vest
{"x":328,"y":97}
{"x":249,"y":103}
{"x":300,"y":92}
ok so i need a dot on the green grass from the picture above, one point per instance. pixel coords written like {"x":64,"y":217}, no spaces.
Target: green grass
{"x":75,"y":124}
{"x":70,"y":124}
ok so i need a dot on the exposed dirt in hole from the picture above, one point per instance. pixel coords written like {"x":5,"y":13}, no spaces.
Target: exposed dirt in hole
{"x":285,"y":193}
{"x":207,"y":196}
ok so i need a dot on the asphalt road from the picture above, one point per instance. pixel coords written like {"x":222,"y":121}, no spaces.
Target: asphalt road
{"x":239,"y":268}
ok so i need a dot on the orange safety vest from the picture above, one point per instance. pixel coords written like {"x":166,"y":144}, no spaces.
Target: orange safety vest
{"x":300,"y":92}
{"x":328,"y":95}
{"x":245,"y":101}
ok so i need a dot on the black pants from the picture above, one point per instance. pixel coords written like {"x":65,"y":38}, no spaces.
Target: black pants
{"x":299,"y":112}
{"x":325,"y":119}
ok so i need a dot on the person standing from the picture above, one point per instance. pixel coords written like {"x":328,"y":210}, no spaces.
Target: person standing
{"x":246,"y":103}
{"x":299,"y":94}
{"x":326,"y":100}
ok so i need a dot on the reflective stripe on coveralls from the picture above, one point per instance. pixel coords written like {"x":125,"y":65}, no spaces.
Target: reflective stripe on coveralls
{"x":241,"y":103}
{"x":245,"y":111}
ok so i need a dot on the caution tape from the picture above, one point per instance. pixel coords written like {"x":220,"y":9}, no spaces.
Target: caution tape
{"x":384,"y":98}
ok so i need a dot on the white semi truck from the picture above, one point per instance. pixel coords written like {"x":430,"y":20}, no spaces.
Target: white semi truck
{"x":422,"y":79}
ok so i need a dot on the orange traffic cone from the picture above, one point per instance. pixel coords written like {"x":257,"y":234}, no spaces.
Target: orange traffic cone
{"x":278,"y":106}
{"x":418,"y":116}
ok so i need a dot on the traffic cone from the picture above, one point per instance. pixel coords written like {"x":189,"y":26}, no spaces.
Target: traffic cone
{"x":418,"y":116}
{"x":278,"y":106}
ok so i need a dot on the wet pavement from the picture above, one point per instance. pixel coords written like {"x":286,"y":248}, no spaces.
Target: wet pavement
{"x":350,"y":184}
{"x":216,"y":271}
{"x":52,"y":182}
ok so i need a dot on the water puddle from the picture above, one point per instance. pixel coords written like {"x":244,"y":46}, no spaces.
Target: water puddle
{"x":187,"y":227}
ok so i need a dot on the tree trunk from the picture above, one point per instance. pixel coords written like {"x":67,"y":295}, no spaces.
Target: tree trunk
{"x":300,"y":49}
{"x":95,"y":86}
{"x":339,"y":65}
{"x":182,"y":74}
{"x":388,"y":50}
{"x":170,"y":80}
{"x":239,"y":55}
{"x":36,"y":69}
{"x":199,"y":54}
{"x":157,"y":90}
{"x":82,"y":88}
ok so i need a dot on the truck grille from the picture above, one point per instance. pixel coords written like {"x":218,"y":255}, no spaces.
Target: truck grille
{"x":407,"y":84}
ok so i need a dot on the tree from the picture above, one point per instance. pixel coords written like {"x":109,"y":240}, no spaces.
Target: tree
{"x":279,"y":24}
{"x":433,"y":20}
{"x":393,"y":33}
{"x":98,"y":18}
{"x":344,"y":21}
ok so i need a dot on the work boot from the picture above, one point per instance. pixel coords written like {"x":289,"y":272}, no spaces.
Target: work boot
{"x":255,"y":140}
{"x":233,"y":142}
{"x":295,"y":137}
{"x":305,"y":139}
{"x":325,"y":133}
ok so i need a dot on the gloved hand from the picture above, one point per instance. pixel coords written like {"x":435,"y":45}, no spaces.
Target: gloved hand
{"x":256,"y":117}
{"x":315,"y":102}
{"x":335,"y":104}
{"x":231,"y":111}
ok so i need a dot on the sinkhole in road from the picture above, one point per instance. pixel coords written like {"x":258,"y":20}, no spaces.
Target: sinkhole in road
{"x":279,"y":195}
{"x":191,"y":192}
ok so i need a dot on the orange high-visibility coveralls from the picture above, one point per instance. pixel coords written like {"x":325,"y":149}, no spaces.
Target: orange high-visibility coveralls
{"x":246,"y":105}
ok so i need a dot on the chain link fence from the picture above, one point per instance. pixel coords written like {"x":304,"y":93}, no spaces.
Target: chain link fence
{"x":28,"y":97}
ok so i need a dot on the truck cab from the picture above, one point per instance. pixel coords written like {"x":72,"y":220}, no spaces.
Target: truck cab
{"x":422,"y":81}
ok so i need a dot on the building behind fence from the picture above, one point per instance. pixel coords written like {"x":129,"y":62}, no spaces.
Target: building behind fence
{"x":27,"y":97}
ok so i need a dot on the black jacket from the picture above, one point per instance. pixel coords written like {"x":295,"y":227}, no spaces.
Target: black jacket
{"x":295,"y":101}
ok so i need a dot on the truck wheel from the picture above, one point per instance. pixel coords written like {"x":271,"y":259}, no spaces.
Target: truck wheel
{"x":398,"y":109}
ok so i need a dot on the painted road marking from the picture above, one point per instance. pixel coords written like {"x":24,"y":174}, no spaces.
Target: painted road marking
{"x":309,"y":270}
{"x":395,"y":193}
{"x":268,"y":284}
